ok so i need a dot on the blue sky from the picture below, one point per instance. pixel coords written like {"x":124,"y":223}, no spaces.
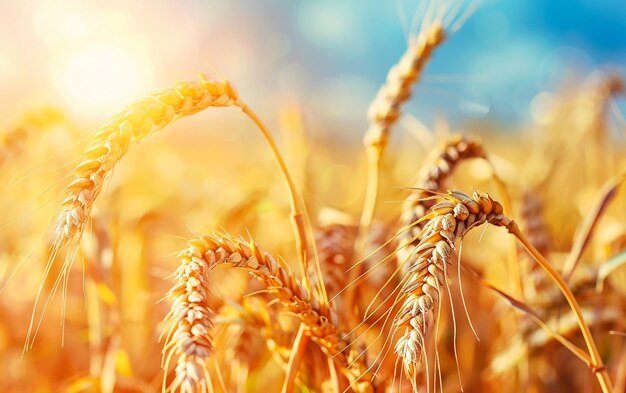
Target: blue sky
{"x":332,"y":55}
{"x":505,"y":54}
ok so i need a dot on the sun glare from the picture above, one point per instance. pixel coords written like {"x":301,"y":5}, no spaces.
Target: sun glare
{"x":101,"y":75}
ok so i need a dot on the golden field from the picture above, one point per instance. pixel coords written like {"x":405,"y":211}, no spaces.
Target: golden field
{"x":195,"y":243}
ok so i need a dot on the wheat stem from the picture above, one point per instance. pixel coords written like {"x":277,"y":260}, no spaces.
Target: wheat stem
{"x":295,"y":359}
{"x":597,"y":365}
{"x":300,"y":224}
{"x":298,"y":218}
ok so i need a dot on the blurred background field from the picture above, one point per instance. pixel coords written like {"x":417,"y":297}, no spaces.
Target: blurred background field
{"x":525,"y":76}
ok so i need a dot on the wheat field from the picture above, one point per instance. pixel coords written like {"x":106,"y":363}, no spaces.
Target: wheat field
{"x":197,"y":239}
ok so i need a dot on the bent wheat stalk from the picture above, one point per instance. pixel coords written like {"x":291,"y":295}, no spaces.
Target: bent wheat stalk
{"x":450,"y":219}
{"x":189,"y":321}
{"x":112,"y":141}
{"x":154,"y":112}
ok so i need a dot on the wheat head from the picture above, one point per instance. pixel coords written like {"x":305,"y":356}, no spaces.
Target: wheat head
{"x":111,"y":142}
{"x":385,"y":109}
{"x":335,"y":238}
{"x":453,"y":216}
{"x":433,"y":177}
{"x":188,"y":323}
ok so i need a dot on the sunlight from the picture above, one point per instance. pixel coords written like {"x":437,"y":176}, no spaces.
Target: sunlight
{"x":100,"y":76}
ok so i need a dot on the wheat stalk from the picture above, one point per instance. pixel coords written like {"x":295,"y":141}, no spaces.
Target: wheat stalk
{"x":189,"y":321}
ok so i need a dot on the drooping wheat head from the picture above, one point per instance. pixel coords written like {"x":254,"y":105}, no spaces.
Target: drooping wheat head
{"x":188,"y":323}
{"x":448,"y":221}
{"x":111,"y":142}
{"x":433,"y":177}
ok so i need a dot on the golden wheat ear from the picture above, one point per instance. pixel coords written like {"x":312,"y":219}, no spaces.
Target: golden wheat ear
{"x":15,"y":141}
{"x":108,"y":145}
{"x":434,"y":176}
{"x":187,"y":336}
{"x":451,"y":218}
{"x":438,"y":19}
{"x":111,"y":142}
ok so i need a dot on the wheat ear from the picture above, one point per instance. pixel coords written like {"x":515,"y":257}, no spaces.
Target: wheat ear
{"x":111,"y":142}
{"x":254,"y":325}
{"x":534,"y":226}
{"x":189,"y":321}
{"x":382,"y":114}
{"x":384,"y":111}
{"x":254,"y":321}
{"x":433,"y":177}
{"x":335,"y":241}
{"x":449,"y":220}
